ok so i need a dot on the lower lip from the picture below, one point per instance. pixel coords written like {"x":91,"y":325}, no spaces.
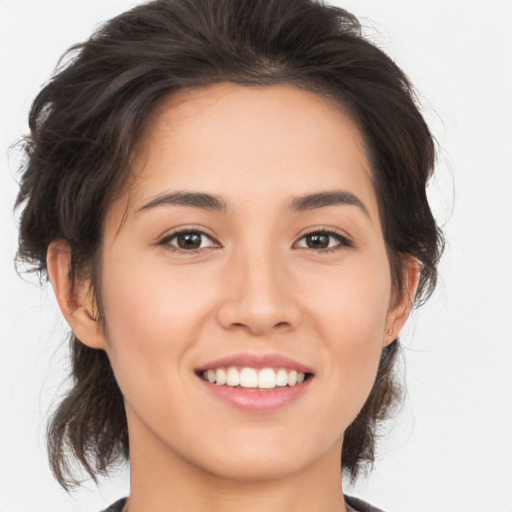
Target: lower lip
{"x":258,"y":401}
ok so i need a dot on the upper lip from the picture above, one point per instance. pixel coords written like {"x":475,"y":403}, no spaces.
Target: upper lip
{"x":251,"y":360}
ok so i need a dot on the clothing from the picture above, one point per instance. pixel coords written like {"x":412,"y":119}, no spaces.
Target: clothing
{"x":117,"y":506}
{"x":360,"y":505}
{"x":355,"y":503}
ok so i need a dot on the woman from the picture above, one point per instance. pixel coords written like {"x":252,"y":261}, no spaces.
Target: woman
{"x":229,"y":201}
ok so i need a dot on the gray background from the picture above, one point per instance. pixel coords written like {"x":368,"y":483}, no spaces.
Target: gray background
{"x":450,"y":448}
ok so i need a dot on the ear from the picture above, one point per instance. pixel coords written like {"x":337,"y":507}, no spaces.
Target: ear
{"x":402,"y":305}
{"x":76,"y":300}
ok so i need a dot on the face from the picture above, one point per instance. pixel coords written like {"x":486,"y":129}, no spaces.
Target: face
{"x":248,"y":249}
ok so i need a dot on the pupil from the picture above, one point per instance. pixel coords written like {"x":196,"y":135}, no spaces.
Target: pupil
{"x":189,"y":241}
{"x":318,"y":241}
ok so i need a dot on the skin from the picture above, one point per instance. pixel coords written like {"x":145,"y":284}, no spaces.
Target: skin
{"x":253,"y":286}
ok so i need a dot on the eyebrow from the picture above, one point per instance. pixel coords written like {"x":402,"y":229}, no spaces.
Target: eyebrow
{"x":216,"y":203}
{"x":328,"y":198}
{"x":194,"y":199}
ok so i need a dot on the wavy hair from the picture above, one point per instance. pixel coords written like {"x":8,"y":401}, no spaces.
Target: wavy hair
{"x":85,"y":122}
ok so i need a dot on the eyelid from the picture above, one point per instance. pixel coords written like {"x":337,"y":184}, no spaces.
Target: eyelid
{"x":345,"y":242}
{"x":165,"y":240}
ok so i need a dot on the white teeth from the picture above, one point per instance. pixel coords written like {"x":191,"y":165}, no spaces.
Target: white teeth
{"x":220,"y":377}
{"x":292,"y":378}
{"x":282,"y":377}
{"x":248,"y":378}
{"x":232,"y":377}
{"x":266,"y":378}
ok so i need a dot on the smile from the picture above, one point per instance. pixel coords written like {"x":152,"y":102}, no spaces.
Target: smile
{"x":256,"y":383}
{"x":257,"y":379}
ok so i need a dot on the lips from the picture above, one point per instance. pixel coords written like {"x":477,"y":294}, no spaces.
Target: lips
{"x":255,"y":382}
{"x":256,"y":361}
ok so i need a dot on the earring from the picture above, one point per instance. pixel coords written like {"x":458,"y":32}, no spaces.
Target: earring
{"x":390,"y":332}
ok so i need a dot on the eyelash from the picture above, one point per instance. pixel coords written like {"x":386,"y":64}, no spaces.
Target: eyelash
{"x":166,"y":242}
{"x":343,"y":241}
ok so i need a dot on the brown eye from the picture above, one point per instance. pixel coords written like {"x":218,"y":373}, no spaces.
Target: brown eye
{"x":317,"y":241}
{"x":188,"y":241}
{"x":324,"y":241}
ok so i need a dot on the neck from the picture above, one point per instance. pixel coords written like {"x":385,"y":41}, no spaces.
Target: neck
{"x":161,"y":480}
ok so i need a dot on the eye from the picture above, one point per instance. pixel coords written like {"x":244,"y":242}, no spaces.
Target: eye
{"x":325,"y":241}
{"x":189,"y":240}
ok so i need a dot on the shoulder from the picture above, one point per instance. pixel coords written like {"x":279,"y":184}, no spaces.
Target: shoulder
{"x":117,"y":506}
{"x":360,"y":505}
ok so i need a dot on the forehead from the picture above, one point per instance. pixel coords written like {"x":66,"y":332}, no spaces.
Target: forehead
{"x":250,"y":142}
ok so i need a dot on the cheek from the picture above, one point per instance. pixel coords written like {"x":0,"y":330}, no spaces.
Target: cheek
{"x":143,"y":296}
{"x":351,"y":317}
{"x":354,"y":302}
{"x":151,"y":323}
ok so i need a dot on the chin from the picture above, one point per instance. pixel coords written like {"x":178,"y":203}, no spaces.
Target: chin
{"x":266,"y":459}
{"x":255,"y":469}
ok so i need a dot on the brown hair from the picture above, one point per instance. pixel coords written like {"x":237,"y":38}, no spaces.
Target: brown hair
{"x":84,"y":124}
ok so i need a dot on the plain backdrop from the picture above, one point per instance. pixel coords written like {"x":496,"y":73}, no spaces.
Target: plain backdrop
{"x":450,"y":449}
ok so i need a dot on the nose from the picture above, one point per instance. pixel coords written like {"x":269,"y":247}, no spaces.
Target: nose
{"x":258,"y":295}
